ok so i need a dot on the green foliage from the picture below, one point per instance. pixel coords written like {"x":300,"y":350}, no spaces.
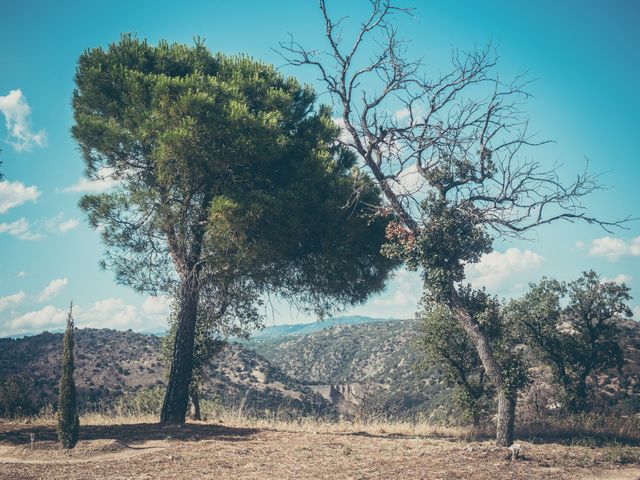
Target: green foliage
{"x":15,"y":397}
{"x":146,"y":401}
{"x":68,"y":424}
{"x":573,"y":328}
{"x":221,"y":159}
{"x":451,"y":238}
{"x":444,"y":344}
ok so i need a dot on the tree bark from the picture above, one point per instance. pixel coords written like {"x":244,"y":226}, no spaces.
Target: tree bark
{"x":195,"y":404}
{"x":581,"y":395}
{"x":506,"y":399}
{"x":176,"y":400}
{"x":505,"y":424}
{"x":476,"y":421}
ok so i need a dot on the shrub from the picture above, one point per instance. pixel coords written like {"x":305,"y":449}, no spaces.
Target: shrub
{"x":144,"y":402}
{"x":15,"y":397}
{"x":622,"y":454}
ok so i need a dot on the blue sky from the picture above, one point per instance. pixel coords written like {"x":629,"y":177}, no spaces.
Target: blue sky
{"x":583,"y":56}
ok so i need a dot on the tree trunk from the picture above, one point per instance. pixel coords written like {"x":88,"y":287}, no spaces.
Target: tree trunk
{"x":506,"y":400}
{"x":176,"y":400}
{"x":476,"y":421}
{"x":581,"y":395}
{"x":505,"y":424}
{"x":195,"y":404}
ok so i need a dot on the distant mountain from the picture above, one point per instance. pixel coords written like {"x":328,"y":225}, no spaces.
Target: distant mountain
{"x":110,"y":363}
{"x":308,"y":328}
{"x":265,"y":333}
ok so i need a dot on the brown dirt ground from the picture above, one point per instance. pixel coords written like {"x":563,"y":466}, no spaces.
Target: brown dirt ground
{"x":211,"y":451}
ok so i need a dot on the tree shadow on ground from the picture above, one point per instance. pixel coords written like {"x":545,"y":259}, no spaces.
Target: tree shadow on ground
{"x":132,"y":433}
{"x":587,"y":440}
{"x":400,"y":436}
{"x":594,"y":439}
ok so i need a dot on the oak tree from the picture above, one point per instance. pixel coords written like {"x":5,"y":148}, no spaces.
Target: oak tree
{"x":575,"y":329}
{"x":443,"y":344}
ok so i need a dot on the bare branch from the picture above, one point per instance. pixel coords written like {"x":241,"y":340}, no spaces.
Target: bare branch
{"x":463,"y":132}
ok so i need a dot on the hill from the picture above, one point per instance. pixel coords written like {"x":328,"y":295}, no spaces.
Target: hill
{"x":110,"y":363}
{"x":297,"y":329}
{"x":371,"y":366}
{"x":360,"y":366}
{"x":355,"y":365}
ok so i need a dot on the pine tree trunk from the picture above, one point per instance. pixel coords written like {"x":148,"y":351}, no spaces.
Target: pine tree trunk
{"x":176,"y":400}
{"x":195,"y":402}
{"x":506,"y":401}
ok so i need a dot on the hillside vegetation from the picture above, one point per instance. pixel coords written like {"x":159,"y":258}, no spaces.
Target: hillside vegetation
{"x":111,"y":364}
{"x":376,"y":364}
{"x":358,"y":368}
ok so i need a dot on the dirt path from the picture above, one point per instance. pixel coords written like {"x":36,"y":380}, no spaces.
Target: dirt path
{"x":147,"y":451}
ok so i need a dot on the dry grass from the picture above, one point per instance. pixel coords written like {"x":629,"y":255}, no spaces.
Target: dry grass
{"x":587,"y":428}
{"x":258,"y":448}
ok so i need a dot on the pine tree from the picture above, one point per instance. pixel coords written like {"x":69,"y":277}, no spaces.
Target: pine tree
{"x":68,"y":423}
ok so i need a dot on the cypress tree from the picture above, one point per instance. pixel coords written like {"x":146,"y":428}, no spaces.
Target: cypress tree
{"x":68,"y":423}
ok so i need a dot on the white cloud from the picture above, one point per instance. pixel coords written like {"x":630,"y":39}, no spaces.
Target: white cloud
{"x":11,"y":300}
{"x":344,"y":135}
{"x":21,"y":274}
{"x":58,"y":224}
{"x":23,"y":230}
{"x":102,"y":181}
{"x":408,"y":182}
{"x":19,"y":229}
{"x":17,"y":115}
{"x":107,"y":313}
{"x":636,"y":313}
{"x":156,"y":306}
{"x":400,"y":300}
{"x":614,"y":248}
{"x":579,"y":244}
{"x":47,"y":318}
{"x":68,"y":225}
{"x":497,"y":270}
{"x":621,"y":278}
{"x":13,"y":194}
{"x":402,"y":115}
{"x":53,"y":289}
{"x":115,"y":313}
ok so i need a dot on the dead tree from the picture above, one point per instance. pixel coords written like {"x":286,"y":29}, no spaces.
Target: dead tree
{"x":445,"y":153}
